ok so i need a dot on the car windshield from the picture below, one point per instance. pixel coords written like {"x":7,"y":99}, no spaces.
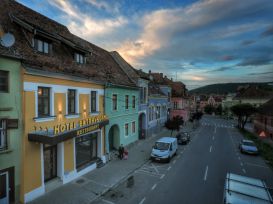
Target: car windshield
{"x":249,"y":144}
{"x":161,"y":146}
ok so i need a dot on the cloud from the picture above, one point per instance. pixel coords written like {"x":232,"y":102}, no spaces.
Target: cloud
{"x":247,"y":42}
{"x":268,"y":31}
{"x":255,"y":61}
{"x":221,"y":69}
{"x":261,"y":73}
{"x":112,"y":7}
{"x":227,"y":58}
{"x":84,"y":25}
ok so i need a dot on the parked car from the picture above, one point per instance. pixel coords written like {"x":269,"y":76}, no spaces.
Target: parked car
{"x":164,"y":149}
{"x":183,"y":138}
{"x":243,"y":190}
{"x":248,"y":146}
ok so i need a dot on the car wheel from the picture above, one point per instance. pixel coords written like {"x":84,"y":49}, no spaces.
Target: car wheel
{"x":169,"y":159}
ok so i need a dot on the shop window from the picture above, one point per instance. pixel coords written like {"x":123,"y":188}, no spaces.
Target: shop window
{"x":133,"y":127}
{"x":3,"y":134}
{"x":114,"y":101}
{"x":42,"y":45}
{"x":43,"y":102}
{"x":126,"y":129}
{"x":4,"y":81}
{"x":71,"y":101}
{"x":126,"y":101}
{"x":79,"y":58}
{"x":93,"y":101}
{"x":134,"y":102}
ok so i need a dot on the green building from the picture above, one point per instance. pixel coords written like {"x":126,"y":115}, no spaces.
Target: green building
{"x":10,"y":128}
{"x":121,"y":107}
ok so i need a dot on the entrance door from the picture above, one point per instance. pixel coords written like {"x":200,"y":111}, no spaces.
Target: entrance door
{"x":50,"y":162}
{"x":4,"y":188}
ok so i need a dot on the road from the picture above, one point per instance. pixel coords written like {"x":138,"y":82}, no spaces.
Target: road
{"x":197,"y":173}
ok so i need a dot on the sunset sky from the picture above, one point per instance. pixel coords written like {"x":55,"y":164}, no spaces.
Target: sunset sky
{"x":196,"y":42}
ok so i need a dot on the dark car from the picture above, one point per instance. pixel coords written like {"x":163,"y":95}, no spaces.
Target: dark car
{"x":183,"y":138}
{"x":248,"y":146}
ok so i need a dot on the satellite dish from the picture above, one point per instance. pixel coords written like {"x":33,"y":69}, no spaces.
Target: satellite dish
{"x":7,"y":40}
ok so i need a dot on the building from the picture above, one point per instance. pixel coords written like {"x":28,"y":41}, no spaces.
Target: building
{"x":263,"y":121}
{"x":62,"y":80}
{"x":253,"y":95}
{"x":10,"y":127}
{"x":141,"y":80}
{"x":159,"y":100}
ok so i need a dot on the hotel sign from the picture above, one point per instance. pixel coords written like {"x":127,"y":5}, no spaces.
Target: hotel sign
{"x":81,"y":123}
{"x":66,"y":131}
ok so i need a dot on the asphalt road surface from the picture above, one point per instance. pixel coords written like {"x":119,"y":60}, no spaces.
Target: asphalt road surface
{"x":197,"y":173}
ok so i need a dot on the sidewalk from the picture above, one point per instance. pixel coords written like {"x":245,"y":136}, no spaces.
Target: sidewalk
{"x":93,"y":184}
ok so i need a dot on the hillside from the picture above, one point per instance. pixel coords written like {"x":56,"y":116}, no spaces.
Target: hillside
{"x":226,"y":88}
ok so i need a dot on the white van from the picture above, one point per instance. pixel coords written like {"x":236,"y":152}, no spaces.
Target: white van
{"x":164,"y":149}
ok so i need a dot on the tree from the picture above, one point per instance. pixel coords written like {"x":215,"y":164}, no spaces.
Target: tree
{"x":174,"y":124}
{"x":219,"y":109}
{"x":209,"y":109}
{"x":243,"y":111}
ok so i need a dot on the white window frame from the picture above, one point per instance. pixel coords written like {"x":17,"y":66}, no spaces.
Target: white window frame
{"x":126,"y":135}
{"x":97,"y":103}
{"x":133,"y":131}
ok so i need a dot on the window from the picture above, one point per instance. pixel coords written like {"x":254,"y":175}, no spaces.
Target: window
{"x":143,"y":94}
{"x":79,"y":58}
{"x":43,"y":101}
{"x":169,"y":97}
{"x":126,"y":129}
{"x":134,"y":102}
{"x":114,"y":101}
{"x":42,"y":45}
{"x":4,"y":81}
{"x":71,"y":101}
{"x":133,"y":127}
{"x":93,"y":101}
{"x":126,"y":101}
{"x":3,"y":135}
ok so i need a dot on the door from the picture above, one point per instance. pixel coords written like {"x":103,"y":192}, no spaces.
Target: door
{"x":50,"y":162}
{"x":4,"y":188}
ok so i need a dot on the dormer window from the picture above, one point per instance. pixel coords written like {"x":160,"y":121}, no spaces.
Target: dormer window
{"x":41,"y":45}
{"x":79,"y":58}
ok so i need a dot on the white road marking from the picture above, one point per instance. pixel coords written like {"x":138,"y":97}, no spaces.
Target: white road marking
{"x":142,"y":201}
{"x":169,"y":168}
{"x":174,"y":161}
{"x":107,"y":201}
{"x":206,"y":173}
{"x":215,"y":130}
{"x":178,"y":156}
{"x":210,"y":148}
{"x":161,"y":177}
{"x":154,"y":186}
{"x":213,"y":138}
{"x":241,"y":164}
{"x":257,"y":165}
{"x":244,"y":170}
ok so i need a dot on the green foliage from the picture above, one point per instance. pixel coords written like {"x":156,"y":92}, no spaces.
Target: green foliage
{"x":243,"y":111}
{"x":209,"y":109}
{"x":174,"y":123}
{"x":219,"y":110}
{"x":225,"y":88}
{"x":265,"y":149}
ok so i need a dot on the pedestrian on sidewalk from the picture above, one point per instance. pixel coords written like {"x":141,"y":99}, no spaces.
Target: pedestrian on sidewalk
{"x":121,"y":151}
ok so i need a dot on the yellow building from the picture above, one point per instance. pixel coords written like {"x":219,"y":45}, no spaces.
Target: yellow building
{"x":62,"y":84}
{"x":64,"y":131}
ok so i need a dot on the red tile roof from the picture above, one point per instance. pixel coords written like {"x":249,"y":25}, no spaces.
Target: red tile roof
{"x":25,"y":23}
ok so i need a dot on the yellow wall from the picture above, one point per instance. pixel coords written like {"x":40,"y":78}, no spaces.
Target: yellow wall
{"x":31,"y":169}
{"x":32,"y":153}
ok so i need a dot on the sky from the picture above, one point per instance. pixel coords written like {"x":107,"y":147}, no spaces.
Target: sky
{"x":196,"y":42}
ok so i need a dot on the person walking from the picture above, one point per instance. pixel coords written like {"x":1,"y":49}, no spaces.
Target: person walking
{"x":120,"y":152}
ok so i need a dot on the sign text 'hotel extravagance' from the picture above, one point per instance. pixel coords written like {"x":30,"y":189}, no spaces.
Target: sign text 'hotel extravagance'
{"x":81,"y":123}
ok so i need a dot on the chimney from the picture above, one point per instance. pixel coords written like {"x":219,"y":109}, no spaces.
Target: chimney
{"x":161,"y":75}
{"x":150,"y":71}
{"x":165,"y":77}
{"x":171,"y":79}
